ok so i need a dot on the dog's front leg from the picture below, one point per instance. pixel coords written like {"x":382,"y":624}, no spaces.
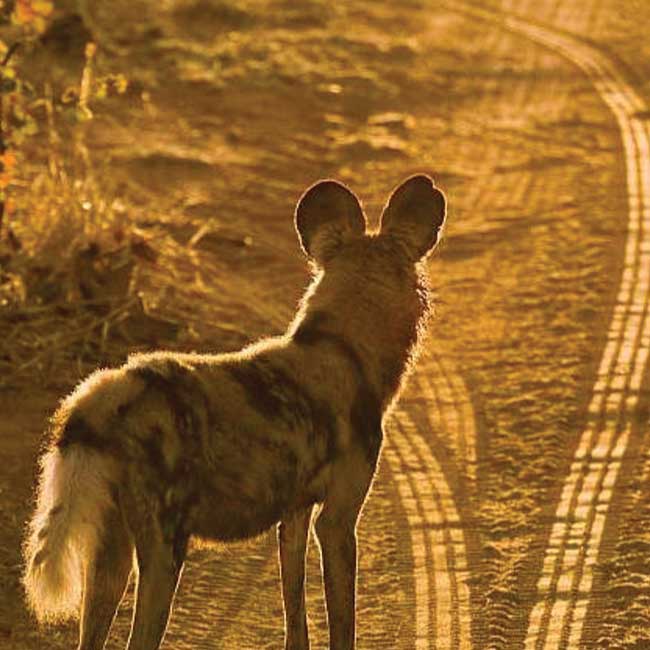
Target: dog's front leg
{"x":293,"y":533}
{"x":336,"y":532}
{"x":339,"y":555}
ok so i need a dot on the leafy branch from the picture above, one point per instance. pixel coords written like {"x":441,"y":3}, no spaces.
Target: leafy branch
{"x":16,"y":123}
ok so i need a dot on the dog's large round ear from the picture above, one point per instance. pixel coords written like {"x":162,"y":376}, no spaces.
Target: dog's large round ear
{"x":327,"y":215}
{"x":415,"y":214}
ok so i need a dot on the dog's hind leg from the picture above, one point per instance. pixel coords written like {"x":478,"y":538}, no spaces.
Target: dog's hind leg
{"x":160,"y":561}
{"x":105,"y":581}
{"x":293,"y":533}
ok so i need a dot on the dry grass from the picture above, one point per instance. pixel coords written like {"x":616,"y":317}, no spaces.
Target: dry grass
{"x":82,"y":282}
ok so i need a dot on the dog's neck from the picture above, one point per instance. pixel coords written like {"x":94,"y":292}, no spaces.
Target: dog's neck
{"x":378,"y":337}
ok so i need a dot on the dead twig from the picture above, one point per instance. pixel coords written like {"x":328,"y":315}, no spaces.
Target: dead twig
{"x":9,"y":53}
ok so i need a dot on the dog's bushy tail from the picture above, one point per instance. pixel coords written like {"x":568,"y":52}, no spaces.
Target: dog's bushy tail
{"x":73,"y":496}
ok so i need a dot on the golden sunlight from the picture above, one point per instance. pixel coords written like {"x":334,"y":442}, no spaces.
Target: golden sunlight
{"x":324,"y":324}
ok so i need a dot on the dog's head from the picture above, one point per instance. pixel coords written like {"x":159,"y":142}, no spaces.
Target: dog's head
{"x":370,"y":286}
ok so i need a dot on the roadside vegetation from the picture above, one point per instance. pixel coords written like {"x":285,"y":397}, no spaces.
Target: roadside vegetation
{"x":69,"y":256}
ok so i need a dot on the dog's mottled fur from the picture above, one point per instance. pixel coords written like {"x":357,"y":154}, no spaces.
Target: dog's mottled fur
{"x":224,"y":446}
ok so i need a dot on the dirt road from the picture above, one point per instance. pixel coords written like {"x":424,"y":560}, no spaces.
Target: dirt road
{"x":511,"y":510}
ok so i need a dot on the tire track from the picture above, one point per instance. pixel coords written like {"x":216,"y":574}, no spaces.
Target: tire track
{"x":558,"y":615}
{"x":453,"y":412}
{"x":439,"y":549}
{"x":442,"y":612}
{"x":440,"y":560}
{"x":504,"y":191}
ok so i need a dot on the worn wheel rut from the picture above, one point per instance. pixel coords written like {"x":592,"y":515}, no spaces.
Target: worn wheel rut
{"x":558,"y":616}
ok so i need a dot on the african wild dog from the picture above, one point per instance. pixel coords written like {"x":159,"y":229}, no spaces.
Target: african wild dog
{"x":222,"y":447}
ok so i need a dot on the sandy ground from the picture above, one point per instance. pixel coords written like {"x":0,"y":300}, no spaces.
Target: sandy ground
{"x":238,"y":106}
